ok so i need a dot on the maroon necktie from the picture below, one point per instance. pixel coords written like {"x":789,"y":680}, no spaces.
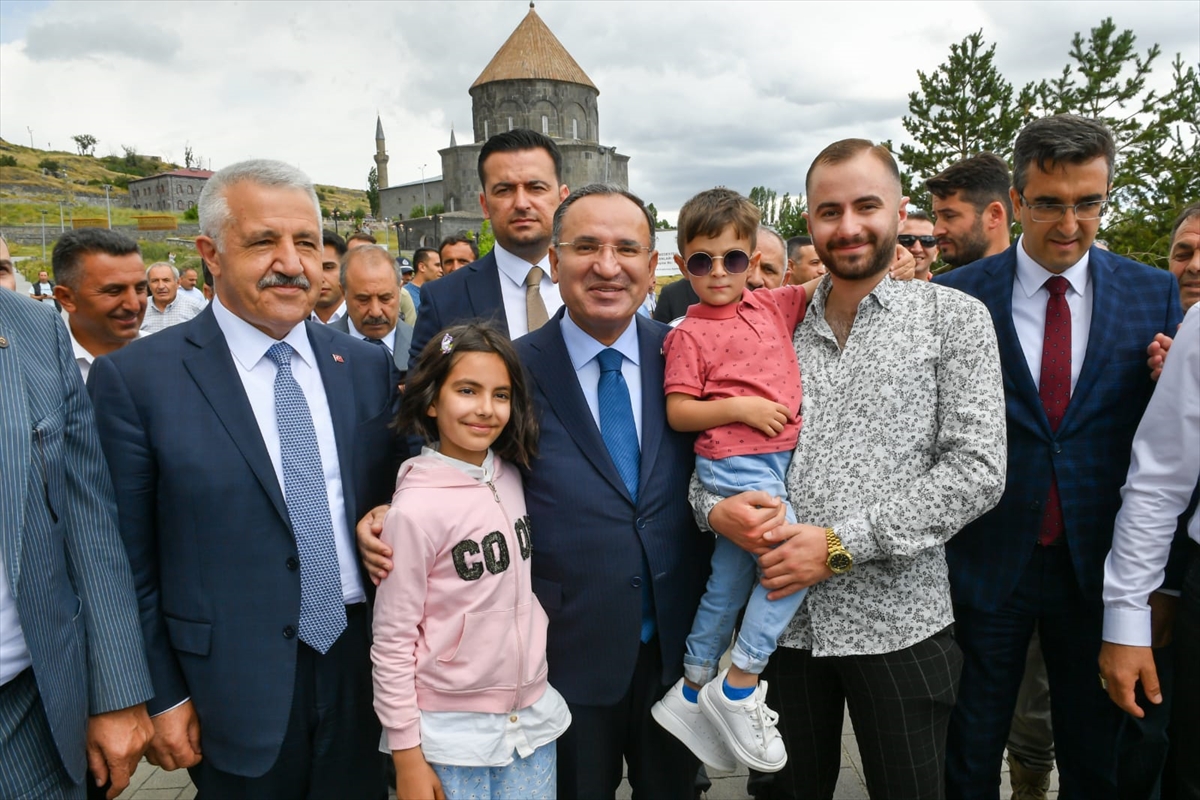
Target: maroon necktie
{"x":1055,"y":391}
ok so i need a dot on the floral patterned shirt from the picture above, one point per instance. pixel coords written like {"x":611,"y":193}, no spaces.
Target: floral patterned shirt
{"x":903,"y":444}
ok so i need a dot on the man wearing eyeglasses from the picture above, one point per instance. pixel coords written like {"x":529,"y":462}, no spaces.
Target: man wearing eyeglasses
{"x":1073,"y":322}
{"x":916,"y":236}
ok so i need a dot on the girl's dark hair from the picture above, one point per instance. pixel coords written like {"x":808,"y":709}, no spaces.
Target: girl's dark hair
{"x":517,"y":443}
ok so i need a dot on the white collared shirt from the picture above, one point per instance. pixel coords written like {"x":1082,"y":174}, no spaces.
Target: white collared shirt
{"x":1163,"y":471}
{"x":389,"y":339}
{"x":195,"y":294}
{"x":82,"y":357}
{"x":513,"y":271}
{"x":249,"y":346}
{"x":583,"y":350}
{"x":334,"y":317}
{"x":1029,"y":299}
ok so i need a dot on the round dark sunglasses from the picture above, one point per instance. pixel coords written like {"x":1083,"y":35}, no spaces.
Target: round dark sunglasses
{"x":908,"y":240}
{"x":735,"y":262}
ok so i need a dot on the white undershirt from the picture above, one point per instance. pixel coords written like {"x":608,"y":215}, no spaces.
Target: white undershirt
{"x":513,"y":271}
{"x":249,"y":347}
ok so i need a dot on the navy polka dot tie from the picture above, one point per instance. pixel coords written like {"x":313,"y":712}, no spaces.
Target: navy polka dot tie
{"x":1055,"y":390}
{"x":322,"y":609}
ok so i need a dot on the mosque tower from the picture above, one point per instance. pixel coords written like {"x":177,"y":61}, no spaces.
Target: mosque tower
{"x":381,"y":157}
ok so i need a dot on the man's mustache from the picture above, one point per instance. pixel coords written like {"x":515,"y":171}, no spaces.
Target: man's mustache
{"x":279,"y":279}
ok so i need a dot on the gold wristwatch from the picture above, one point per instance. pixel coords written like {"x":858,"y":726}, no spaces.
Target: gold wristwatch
{"x":840,"y":561}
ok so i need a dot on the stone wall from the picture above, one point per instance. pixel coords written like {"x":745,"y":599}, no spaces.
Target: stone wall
{"x":558,"y":109}
{"x":429,"y":231}
{"x":166,"y":192}
{"x":397,"y":201}
{"x":32,"y":234}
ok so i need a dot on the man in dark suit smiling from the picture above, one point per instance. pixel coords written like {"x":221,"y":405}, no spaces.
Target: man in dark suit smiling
{"x":238,"y":525}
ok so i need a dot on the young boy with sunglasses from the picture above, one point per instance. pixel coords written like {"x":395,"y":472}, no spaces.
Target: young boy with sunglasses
{"x":731,"y":374}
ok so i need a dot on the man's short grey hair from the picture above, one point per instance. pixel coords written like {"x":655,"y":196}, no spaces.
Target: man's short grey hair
{"x":597,"y":190}
{"x":371,"y":251}
{"x":214,"y":208}
{"x":166,"y":264}
{"x":767,"y":229}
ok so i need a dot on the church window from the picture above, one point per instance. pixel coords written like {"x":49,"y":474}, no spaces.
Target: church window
{"x":545,"y":125}
{"x":485,"y":129}
{"x":510,"y":123}
{"x":574,"y":128}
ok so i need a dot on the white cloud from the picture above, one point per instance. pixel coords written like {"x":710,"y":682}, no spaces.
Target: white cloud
{"x":698,"y":94}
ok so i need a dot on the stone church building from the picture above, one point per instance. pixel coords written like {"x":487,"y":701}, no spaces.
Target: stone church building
{"x":531,"y":82}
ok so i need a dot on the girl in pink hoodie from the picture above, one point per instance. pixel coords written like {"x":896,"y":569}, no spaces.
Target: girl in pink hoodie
{"x":459,"y":647}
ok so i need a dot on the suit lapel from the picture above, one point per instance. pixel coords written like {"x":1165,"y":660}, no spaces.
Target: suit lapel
{"x":997,"y":296}
{"x":211,"y":367}
{"x":555,"y":374}
{"x":654,"y":409}
{"x":15,"y":432}
{"x":483,"y":290}
{"x":339,"y":394}
{"x":1101,"y":331}
{"x":401,"y":342}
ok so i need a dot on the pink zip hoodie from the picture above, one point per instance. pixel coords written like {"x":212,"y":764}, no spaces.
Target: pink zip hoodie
{"x":457,"y":626}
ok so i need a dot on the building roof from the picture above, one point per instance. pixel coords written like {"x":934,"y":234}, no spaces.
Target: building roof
{"x":179,"y":173}
{"x":427,"y":181}
{"x":533,"y":52}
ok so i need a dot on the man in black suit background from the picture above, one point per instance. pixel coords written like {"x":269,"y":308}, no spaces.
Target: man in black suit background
{"x":521,"y":174}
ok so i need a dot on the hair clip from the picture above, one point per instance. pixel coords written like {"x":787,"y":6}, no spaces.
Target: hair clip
{"x":447,"y":343}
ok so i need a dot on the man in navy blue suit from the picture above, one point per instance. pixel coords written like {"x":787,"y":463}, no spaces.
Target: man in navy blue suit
{"x":618,"y":564}
{"x":521,"y":175}
{"x":239,"y":525}
{"x":1073,"y":322}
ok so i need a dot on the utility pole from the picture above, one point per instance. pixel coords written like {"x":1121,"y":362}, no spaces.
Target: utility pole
{"x":43,"y":236}
{"x":107,"y":206}
{"x":62,"y":224}
{"x":30,"y":136}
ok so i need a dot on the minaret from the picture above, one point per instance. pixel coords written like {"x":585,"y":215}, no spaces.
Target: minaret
{"x":381,"y":157}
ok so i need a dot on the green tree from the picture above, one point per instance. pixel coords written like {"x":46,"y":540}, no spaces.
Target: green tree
{"x":49,"y":164}
{"x":486,"y":239}
{"x":963,"y":108}
{"x":653,"y":214}
{"x":1156,"y":136}
{"x":416,"y":211}
{"x":86,"y":143}
{"x":791,"y":221}
{"x":373,"y":191}
{"x":766,"y":200}
{"x":189,"y":158}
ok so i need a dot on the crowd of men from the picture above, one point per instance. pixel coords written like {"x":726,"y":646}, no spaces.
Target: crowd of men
{"x":187,"y":568}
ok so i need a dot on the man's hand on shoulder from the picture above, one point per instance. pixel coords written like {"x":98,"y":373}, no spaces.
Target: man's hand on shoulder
{"x":904,"y":268}
{"x":798,"y":562}
{"x":376,"y":556}
{"x":176,"y":741}
{"x":115,"y":743}
{"x":1156,"y":354}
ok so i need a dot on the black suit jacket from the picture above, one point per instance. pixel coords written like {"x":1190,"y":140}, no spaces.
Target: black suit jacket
{"x":589,"y":535}
{"x":472,"y":292}
{"x":674,"y":299}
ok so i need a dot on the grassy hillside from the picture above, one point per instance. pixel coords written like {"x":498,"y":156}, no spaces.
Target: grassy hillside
{"x":25,"y":191}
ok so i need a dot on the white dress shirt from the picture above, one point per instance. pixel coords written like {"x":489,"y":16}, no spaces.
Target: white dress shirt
{"x":583,"y":349}
{"x":1029,"y":299}
{"x":334,"y":317}
{"x":1163,"y":472}
{"x":195,"y":294}
{"x":513,"y":271}
{"x":249,"y":347}
{"x":83,"y":358}
{"x":389,"y":339}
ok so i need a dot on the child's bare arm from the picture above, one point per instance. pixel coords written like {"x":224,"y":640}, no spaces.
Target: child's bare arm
{"x":690,"y":414}
{"x":415,"y":779}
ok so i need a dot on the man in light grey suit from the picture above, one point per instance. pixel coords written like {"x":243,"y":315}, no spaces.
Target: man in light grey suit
{"x":73,"y":676}
{"x":371,"y":284}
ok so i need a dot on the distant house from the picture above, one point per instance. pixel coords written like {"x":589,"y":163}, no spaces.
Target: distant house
{"x":177,"y":190}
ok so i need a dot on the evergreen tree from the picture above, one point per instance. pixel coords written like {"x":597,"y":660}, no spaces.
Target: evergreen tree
{"x":373,"y":191}
{"x":963,"y":108}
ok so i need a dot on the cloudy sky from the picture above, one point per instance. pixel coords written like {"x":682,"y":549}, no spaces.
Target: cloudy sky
{"x":697,"y":93}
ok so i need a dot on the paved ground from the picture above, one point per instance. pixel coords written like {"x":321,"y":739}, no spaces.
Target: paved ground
{"x":152,"y":783}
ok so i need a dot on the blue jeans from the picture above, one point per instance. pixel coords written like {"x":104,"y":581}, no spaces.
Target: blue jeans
{"x":734,"y":577}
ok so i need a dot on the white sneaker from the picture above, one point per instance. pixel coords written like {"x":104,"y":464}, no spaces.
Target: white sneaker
{"x":747,"y":727}
{"x":687,"y":723}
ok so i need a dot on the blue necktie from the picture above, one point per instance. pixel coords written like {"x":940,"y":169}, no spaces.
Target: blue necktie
{"x":619,"y":432}
{"x":322,"y":609}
